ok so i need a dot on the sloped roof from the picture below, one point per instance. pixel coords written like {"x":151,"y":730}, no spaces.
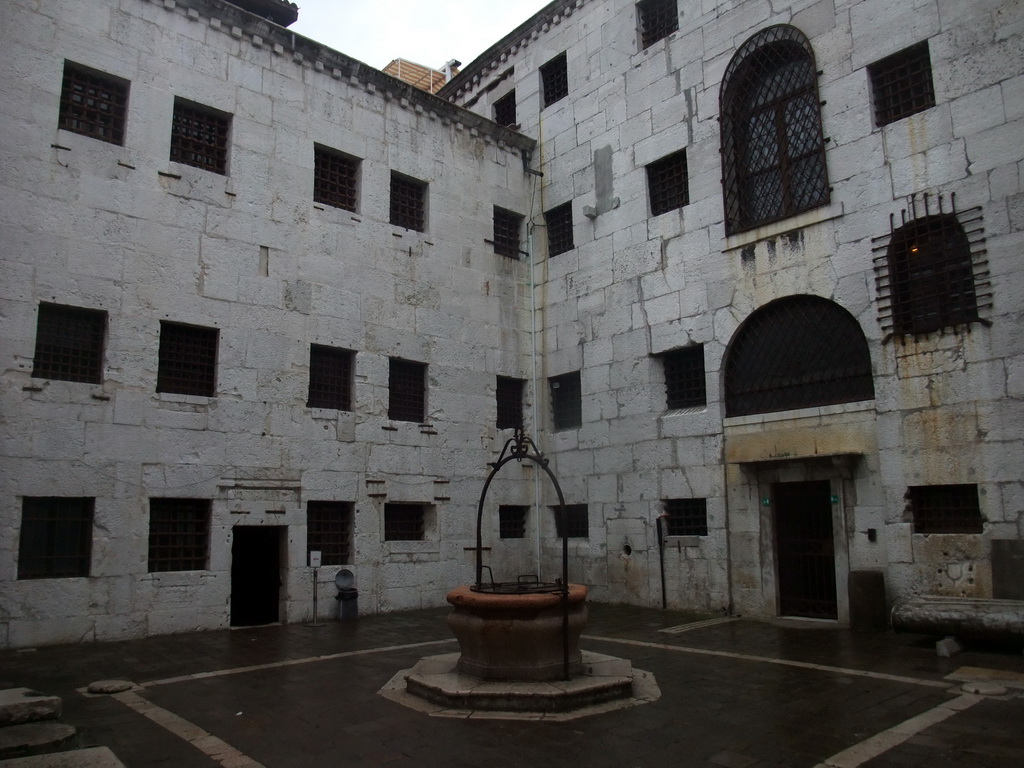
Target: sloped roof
{"x":425,"y":78}
{"x":278,"y":11}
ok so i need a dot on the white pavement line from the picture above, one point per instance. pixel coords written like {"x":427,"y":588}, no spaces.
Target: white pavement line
{"x":290,"y":662}
{"x":781,"y":662}
{"x":205,"y":742}
{"x":680,"y":628}
{"x":871,"y":748}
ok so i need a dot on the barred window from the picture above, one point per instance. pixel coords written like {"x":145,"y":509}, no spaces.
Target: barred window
{"x":69,"y":344}
{"x":554,"y":78}
{"x":188,"y":359}
{"x":559,"y":224}
{"x":797,"y":352}
{"x":505,"y":110}
{"x":577,"y":521}
{"x":512,"y":521}
{"x":566,"y":401}
{"x":199,"y":136}
{"x":179,"y":534}
{"x":329,"y":531}
{"x":685,"y":385}
{"x":772,"y":143}
{"x":686,"y":517}
{"x":507,"y":229}
{"x":56,"y":537}
{"x":668,"y":184}
{"x":945,"y":508}
{"x":334,"y":178}
{"x":658,"y":19}
{"x":93,"y":104}
{"x":902,"y":84}
{"x":931,"y":276}
{"x":510,"y":402}
{"x":330,"y":377}
{"x":407,"y":397}
{"x":404,"y":522}
{"x":408,"y":203}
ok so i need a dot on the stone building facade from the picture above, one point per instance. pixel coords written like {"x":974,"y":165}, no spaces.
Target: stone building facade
{"x":747,"y":272}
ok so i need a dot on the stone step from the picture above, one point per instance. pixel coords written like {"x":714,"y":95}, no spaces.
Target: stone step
{"x":36,"y":738}
{"x":23,"y":705}
{"x":94,"y":757}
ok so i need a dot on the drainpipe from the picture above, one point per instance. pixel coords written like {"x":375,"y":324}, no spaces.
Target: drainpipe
{"x":661,"y":560}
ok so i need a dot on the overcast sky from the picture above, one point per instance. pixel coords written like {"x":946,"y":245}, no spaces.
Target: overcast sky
{"x":428,"y":32}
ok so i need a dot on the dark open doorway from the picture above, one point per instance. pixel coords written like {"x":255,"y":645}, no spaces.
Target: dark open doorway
{"x":256,"y":575}
{"x":805,"y":549}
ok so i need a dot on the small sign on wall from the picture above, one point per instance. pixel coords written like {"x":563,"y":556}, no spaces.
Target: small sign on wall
{"x":314,"y":558}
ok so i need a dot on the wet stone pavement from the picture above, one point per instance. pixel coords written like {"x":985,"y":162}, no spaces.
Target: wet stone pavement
{"x":734,"y":694}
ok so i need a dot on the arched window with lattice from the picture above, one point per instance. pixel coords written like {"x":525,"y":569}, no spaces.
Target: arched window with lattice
{"x":773,"y":149}
{"x":797,"y":352}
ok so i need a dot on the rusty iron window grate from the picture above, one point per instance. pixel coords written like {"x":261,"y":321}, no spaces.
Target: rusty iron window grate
{"x":944,"y":508}
{"x":187,"y":360}
{"x":407,"y":390}
{"x":93,"y":104}
{"x":329,"y":531}
{"x":56,"y":537}
{"x":505,"y":110}
{"x":69,"y":344}
{"x":658,"y":19}
{"x":902,"y":84}
{"x":179,"y":534}
{"x":408,"y":203}
{"x":330,"y":377}
{"x":668,"y":184}
{"x":797,"y":352}
{"x":686,"y":517}
{"x":931,"y":271}
{"x":199,"y":136}
{"x":334,"y":178}
{"x":507,"y":229}
{"x":685,"y":385}
{"x":772,"y":142}
{"x":559,"y":224}
{"x":404,"y":522}
{"x":512,"y":521}
{"x":566,"y":400}
{"x":554,"y":78}
{"x":577,"y":521}
{"x":509,"y":397}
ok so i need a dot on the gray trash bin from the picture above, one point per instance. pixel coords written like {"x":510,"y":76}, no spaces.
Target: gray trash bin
{"x":347,"y":597}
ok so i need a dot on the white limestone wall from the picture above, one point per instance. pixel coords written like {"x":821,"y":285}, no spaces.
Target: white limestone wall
{"x":948,"y":407}
{"x":125,"y":230}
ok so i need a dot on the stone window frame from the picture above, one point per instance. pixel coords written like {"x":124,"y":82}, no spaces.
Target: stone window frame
{"x":187,"y":359}
{"x":93,"y":103}
{"x":408,"y":206}
{"x":773,"y":145}
{"x":200,"y":136}
{"x":508,"y":397}
{"x":505,"y":110}
{"x":686,"y":517}
{"x":331,"y":374}
{"x":55,"y":539}
{"x":554,"y":79}
{"x":69,"y":343}
{"x":405,"y":521}
{"x":577,"y":521}
{"x":179,"y":534}
{"x":952,"y":508}
{"x":407,"y":390}
{"x":657,"y":19}
{"x":685,"y":377}
{"x":559,"y":224}
{"x":566,"y":401}
{"x":335,"y":178}
{"x":329,"y":527}
{"x":901,"y":84}
{"x":508,"y":228}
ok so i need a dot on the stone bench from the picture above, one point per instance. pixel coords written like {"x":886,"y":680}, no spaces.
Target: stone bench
{"x":965,"y":618}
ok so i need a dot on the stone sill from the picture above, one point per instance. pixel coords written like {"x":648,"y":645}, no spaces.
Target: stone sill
{"x":801,"y":220}
{"x":801,"y":413}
